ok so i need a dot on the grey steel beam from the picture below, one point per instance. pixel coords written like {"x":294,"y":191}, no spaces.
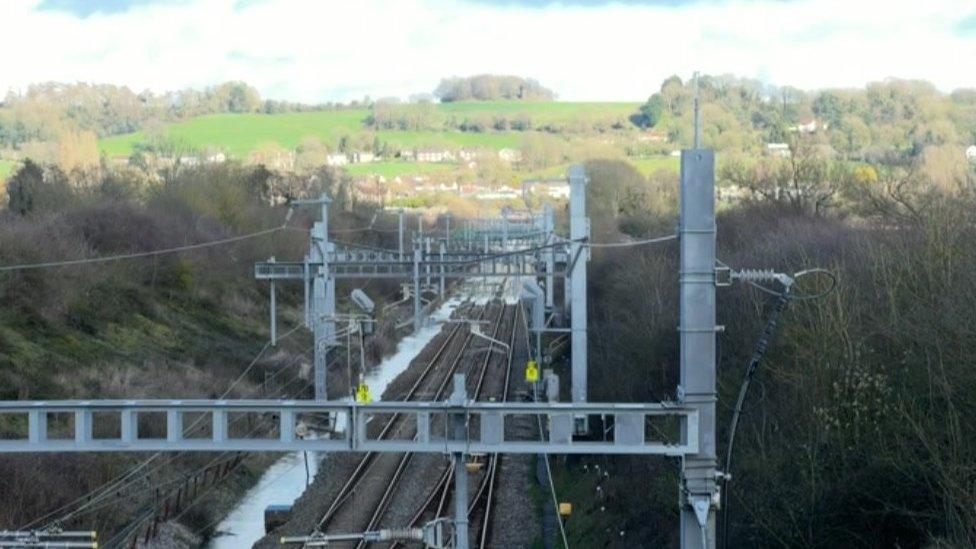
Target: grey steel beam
{"x":697,"y":343}
{"x":400,"y":233}
{"x":491,"y":266}
{"x":319,"y":295}
{"x":417,"y":315}
{"x":459,"y":421}
{"x":274,"y":311}
{"x":549,"y":228}
{"x":452,"y":263}
{"x":579,"y":230}
{"x":631,"y":434}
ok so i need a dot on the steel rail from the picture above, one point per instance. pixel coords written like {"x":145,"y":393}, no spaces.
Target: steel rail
{"x":442,"y":488}
{"x":370,"y":458}
{"x":367,"y":459}
{"x":405,"y":459}
{"x":487,"y":486}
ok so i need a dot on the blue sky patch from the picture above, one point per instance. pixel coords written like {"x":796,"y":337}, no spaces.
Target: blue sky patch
{"x":86,"y":8}
{"x":967,"y":26}
{"x":591,"y":3}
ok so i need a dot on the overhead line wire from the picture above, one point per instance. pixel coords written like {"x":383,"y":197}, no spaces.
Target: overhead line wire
{"x":150,"y":253}
{"x":104,"y":501}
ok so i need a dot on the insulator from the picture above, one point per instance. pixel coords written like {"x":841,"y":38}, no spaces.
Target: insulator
{"x":401,"y":534}
{"x":756,"y":275}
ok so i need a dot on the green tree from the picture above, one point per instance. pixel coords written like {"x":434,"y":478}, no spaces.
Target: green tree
{"x":31,"y":190}
{"x":652,"y":110}
{"x":674,"y":94}
{"x":829,"y":108}
{"x":851,"y":135}
{"x":487,"y":87}
{"x":23,"y":187}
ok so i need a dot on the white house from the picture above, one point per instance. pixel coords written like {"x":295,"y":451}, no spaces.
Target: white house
{"x":559,"y":191}
{"x":510,"y":155}
{"x":810,"y":125}
{"x":778,"y":149}
{"x":503,"y":193}
{"x":336,"y":159}
{"x":653,"y":136}
{"x":360,"y":157}
{"x":553,"y":188}
{"x":971,"y":153}
{"x":435,"y":156}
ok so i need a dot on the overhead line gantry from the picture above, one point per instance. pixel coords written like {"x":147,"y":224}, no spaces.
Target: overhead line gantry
{"x":535,"y":253}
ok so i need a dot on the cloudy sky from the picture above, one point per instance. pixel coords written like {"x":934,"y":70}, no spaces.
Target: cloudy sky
{"x":317,"y":50}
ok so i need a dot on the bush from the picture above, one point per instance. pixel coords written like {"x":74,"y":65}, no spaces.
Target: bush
{"x":853,"y":432}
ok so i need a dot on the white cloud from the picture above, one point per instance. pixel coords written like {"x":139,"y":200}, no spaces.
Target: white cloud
{"x":313,"y":51}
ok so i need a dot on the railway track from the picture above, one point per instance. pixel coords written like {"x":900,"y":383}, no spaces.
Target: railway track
{"x":481,"y":507}
{"x":364,"y":498}
{"x":485,"y":478}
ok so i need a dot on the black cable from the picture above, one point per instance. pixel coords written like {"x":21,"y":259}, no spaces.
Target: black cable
{"x":796,"y":277}
{"x":762,"y":344}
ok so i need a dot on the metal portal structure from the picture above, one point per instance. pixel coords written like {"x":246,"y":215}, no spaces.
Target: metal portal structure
{"x":697,"y":279}
{"x":579,"y":233}
{"x":48,"y":539}
{"x":456,"y":426}
{"x":517,"y":244}
{"x":465,"y":426}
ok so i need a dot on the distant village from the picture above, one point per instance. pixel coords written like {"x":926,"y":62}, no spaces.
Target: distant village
{"x":381,"y":189}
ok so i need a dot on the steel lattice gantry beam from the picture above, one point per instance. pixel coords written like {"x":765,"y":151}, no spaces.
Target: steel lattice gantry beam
{"x":520,"y":244}
{"x":384,"y":265}
{"x":484,"y":426}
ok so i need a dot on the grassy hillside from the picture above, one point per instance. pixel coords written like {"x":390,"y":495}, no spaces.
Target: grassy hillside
{"x":647,"y":166}
{"x":185,"y":325}
{"x":239,"y":134}
{"x":6,"y":168}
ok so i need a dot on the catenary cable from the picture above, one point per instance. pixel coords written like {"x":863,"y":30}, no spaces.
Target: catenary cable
{"x":150,"y":253}
{"x":783,"y":298}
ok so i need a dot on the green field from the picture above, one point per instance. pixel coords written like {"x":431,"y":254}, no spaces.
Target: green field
{"x":6,"y":168}
{"x":239,"y":134}
{"x":647,"y":166}
{"x":390,"y":170}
